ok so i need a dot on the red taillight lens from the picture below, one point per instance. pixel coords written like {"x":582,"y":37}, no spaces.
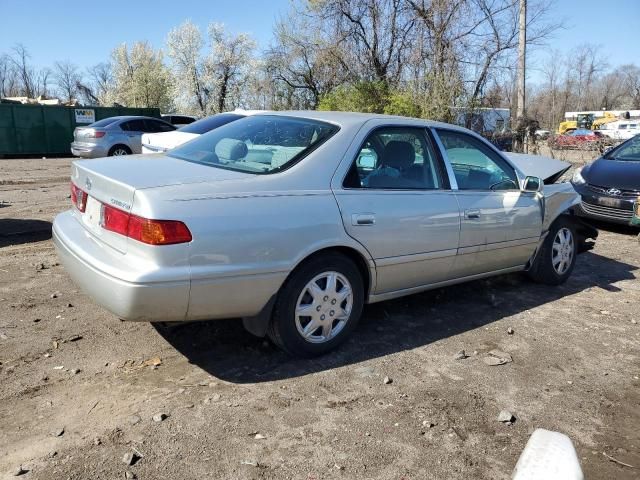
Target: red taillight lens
{"x":78,"y":197}
{"x":115,"y":220}
{"x":158,"y":232}
{"x":152,"y":232}
{"x":94,"y":134}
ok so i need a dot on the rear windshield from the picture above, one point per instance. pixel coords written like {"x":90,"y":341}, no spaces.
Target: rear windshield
{"x":258,"y":144}
{"x":105,"y":122}
{"x":207,"y":124}
{"x":628,"y":151}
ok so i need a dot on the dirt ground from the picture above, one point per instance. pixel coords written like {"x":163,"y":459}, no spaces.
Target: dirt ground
{"x":79,"y":388}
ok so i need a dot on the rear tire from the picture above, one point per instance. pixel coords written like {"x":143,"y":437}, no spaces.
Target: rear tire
{"x":119,"y":150}
{"x":318,"y":306}
{"x":557,"y":256}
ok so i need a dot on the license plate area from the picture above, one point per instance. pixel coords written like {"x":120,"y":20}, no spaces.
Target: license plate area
{"x":609,"y":202}
{"x":92,"y":216}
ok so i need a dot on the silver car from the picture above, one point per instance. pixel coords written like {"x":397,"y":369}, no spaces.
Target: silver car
{"x":115,"y":136}
{"x":294,"y":221}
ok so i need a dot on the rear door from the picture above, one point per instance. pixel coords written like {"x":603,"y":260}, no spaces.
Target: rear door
{"x":500,"y":224}
{"x":133,"y":130}
{"x":396,"y":201}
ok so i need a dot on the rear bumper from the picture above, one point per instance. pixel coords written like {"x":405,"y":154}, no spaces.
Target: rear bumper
{"x":154,"y":294}
{"x":88,"y":150}
{"x":136,"y":301}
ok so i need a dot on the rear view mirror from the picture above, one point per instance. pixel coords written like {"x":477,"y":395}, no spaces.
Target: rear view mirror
{"x":532,"y":184}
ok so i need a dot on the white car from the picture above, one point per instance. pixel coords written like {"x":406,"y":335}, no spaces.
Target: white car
{"x":160,"y":143}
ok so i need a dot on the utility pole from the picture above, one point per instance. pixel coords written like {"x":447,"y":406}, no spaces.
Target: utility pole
{"x":522,"y":41}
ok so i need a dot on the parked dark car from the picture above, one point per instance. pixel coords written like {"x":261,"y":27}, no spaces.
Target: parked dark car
{"x":610,"y":185}
{"x":178,"y":120}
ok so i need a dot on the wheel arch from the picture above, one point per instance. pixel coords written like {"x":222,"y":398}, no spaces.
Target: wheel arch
{"x":258,"y":325}
{"x":122,"y":145}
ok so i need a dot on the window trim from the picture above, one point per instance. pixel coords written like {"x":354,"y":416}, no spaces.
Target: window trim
{"x":440,"y":164}
{"x":491,"y":148}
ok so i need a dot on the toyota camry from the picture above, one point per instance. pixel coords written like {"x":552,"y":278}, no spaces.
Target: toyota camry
{"x":293,"y":221}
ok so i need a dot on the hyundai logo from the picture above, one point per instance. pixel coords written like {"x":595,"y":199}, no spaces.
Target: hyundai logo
{"x":87,"y":183}
{"x":614,"y":191}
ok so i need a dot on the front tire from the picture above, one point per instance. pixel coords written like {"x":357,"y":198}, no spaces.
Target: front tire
{"x":318,"y":306}
{"x":557,"y":257}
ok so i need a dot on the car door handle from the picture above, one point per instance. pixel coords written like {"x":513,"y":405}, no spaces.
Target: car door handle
{"x":363,"y":219}
{"x":472,"y":214}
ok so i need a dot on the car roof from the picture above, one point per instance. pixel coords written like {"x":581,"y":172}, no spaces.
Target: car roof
{"x":355,"y":118}
{"x":133,"y":117}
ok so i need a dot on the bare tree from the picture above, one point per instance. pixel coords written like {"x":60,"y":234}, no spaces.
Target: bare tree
{"x":67,"y":78}
{"x":20,"y":60}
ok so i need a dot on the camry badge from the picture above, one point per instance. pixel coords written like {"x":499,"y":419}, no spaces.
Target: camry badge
{"x":614,"y":191}
{"x":87,"y":183}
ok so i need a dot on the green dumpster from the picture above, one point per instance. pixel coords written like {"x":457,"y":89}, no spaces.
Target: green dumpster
{"x":47,"y":129}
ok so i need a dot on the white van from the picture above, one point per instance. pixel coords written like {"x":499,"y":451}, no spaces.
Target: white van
{"x":622,"y":129}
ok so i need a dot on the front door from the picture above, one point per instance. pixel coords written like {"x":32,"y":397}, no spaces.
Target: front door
{"x":500,"y":224}
{"x":397,"y":203}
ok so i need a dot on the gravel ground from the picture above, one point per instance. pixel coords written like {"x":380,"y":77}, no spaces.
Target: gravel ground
{"x":79,"y":388}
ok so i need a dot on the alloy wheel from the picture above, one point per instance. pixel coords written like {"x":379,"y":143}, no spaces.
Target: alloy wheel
{"x":324,"y":307}
{"x":562,"y":251}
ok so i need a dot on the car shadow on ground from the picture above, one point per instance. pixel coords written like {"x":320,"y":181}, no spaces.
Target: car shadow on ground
{"x":615,"y":227}
{"x":225,"y":350}
{"x":16,"y":231}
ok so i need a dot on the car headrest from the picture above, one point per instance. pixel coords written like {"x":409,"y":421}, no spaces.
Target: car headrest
{"x":398,"y":154}
{"x":231,"y":149}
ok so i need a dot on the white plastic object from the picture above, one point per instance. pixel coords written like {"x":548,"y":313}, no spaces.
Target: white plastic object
{"x":548,"y":456}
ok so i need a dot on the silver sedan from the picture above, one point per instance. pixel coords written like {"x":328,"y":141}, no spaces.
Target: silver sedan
{"x":115,"y":136}
{"x":294,"y":221}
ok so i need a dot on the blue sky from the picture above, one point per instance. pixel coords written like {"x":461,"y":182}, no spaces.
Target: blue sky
{"x":85,"y":32}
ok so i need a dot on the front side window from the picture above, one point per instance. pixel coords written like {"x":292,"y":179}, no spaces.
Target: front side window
{"x":395,"y":158}
{"x":257,"y":144}
{"x":475,"y":165}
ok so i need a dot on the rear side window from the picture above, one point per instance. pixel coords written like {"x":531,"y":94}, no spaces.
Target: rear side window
{"x":395,"y":158}
{"x":207,"y":124}
{"x":133,"y":126}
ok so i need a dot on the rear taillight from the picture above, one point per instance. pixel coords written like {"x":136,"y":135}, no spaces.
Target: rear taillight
{"x":152,"y":232}
{"x":78,"y":197}
{"x":94,"y":134}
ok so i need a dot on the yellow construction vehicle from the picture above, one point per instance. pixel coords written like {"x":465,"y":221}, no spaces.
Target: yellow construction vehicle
{"x":586,"y":120}
{"x":607,"y":118}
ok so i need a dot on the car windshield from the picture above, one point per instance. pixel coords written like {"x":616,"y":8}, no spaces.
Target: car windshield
{"x":105,"y":122}
{"x":629,"y":151}
{"x":257,"y":144}
{"x":207,"y":124}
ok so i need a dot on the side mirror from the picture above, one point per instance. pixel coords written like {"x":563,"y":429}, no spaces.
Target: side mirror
{"x":532,"y":184}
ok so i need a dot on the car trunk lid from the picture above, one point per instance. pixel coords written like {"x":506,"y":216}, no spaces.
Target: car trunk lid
{"x":113,"y":181}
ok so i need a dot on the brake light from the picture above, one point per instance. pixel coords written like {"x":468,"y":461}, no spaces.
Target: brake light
{"x":151,"y":232}
{"x":78,"y":197}
{"x":94,"y":134}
